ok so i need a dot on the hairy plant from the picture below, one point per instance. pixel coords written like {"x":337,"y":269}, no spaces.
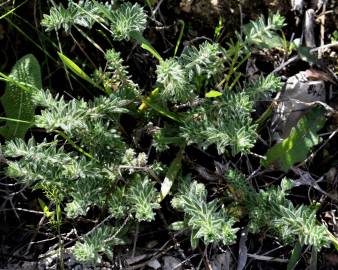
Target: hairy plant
{"x":87,"y":160}
{"x":173,"y":78}
{"x":84,"y":14}
{"x":263,"y":34}
{"x":263,"y":87}
{"x":124,"y":20}
{"x":87,"y":174}
{"x":182,"y":78}
{"x":206,"y":220}
{"x":142,"y":197}
{"x":100,"y":241}
{"x":203,"y":64}
{"x":23,"y":80}
{"x":225,"y":122}
{"x":271,"y":209}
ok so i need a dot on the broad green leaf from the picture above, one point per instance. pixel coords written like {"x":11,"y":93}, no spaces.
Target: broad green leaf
{"x":213,"y":93}
{"x":296,"y":147}
{"x":145,"y":44}
{"x":24,"y":78}
{"x":333,"y":239}
{"x":193,"y":239}
{"x":162,"y":110}
{"x":305,"y":54}
{"x":178,"y":226}
{"x":45,"y":209}
{"x":153,"y":102}
{"x":171,"y":175}
{"x":296,"y":252}
{"x":335,"y":244}
{"x":77,"y":70}
{"x":153,"y":93}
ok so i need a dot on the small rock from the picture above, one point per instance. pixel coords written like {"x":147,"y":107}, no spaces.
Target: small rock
{"x":299,"y":91}
{"x":155,"y":264}
{"x":170,"y":263}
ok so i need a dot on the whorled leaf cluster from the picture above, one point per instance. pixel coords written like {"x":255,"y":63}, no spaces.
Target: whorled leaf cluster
{"x":206,"y":220}
{"x":123,"y":19}
{"x":272,"y":210}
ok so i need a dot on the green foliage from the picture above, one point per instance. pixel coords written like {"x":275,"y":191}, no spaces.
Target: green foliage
{"x":85,"y":14}
{"x":164,"y":137}
{"x":213,"y":94}
{"x":127,"y":19}
{"x":288,"y":222}
{"x":182,"y":78}
{"x":302,"y":223}
{"x":173,"y":78}
{"x":271,"y":209}
{"x":297,"y":145}
{"x":263,"y":87}
{"x":206,"y":220}
{"x":75,"y":116}
{"x":124,"y":20}
{"x":115,"y":65}
{"x":83,"y":181}
{"x":334,"y":36}
{"x":263,"y":34}
{"x":224,"y":122}
{"x":115,"y":78}
{"x":295,"y":256}
{"x":92,"y":123}
{"x":142,"y":197}
{"x":76,"y":69}
{"x":90,"y":163}
{"x":46,"y":166}
{"x":100,"y":241}
{"x":241,"y":190}
{"x":204,"y":64}
{"x":17,"y":101}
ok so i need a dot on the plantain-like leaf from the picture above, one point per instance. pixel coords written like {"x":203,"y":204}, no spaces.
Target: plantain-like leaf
{"x":17,"y":101}
{"x":296,"y":147}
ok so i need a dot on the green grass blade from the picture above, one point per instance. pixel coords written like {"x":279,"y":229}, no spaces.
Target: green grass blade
{"x":16,"y":120}
{"x":78,"y":71}
{"x":30,"y":39}
{"x":145,"y":44}
{"x":149,"y":101}
{"x":296,"y":252}
{"x":12,"y":10}
{"x":171,"y":175}
{"x":181,"y":22}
